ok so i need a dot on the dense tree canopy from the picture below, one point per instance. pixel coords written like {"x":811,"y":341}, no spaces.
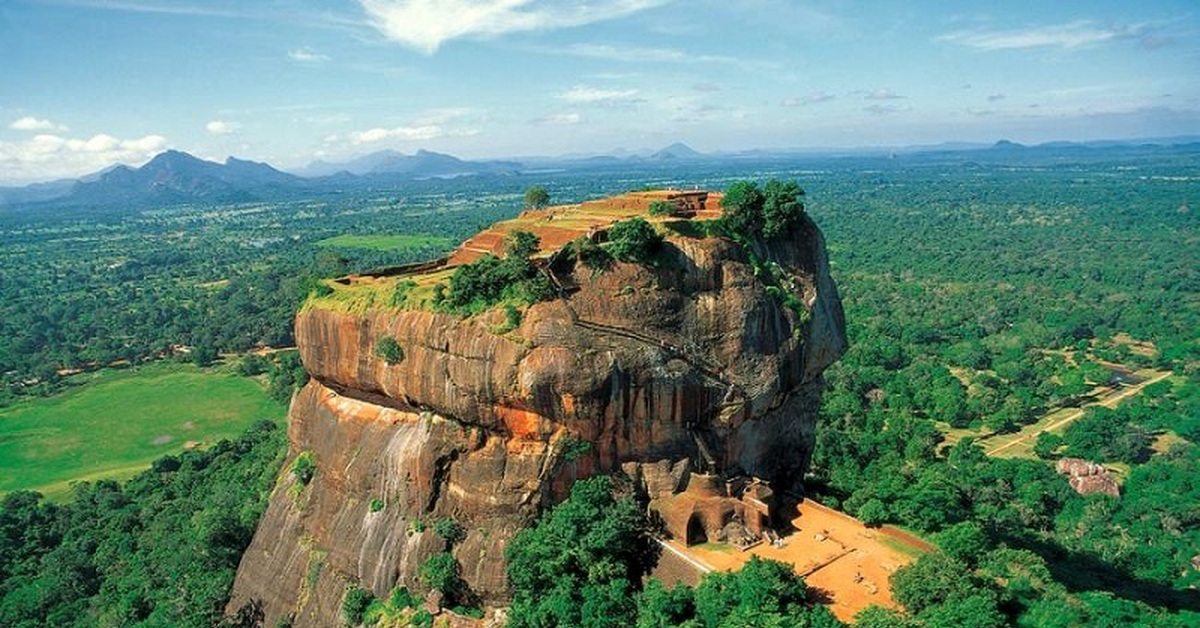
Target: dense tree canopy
{"x":159,"y":551}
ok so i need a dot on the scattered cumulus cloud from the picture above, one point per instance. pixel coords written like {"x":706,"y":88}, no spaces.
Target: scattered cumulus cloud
{"x":707,"y":88}
{"x":430,"y":125}
{"x":48,"y":156}
{"x":220,"y":127}
{"x":559,"y":119}
{"x":307,"y":55}
{"x":425,"y":25}
{"x":996,"y":97}
{"x":30,"y":123}
{"x":1077,"y":34}
{"x":403,"y":133}
{"x":585,"y":95}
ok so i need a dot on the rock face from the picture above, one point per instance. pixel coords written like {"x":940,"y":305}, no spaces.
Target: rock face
{"x":695,"y":364}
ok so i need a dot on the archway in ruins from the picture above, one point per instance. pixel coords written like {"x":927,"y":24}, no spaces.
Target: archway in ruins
{"x":695,"y":530}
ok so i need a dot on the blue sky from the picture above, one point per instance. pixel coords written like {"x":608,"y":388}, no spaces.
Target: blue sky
{"x":87,"y":83}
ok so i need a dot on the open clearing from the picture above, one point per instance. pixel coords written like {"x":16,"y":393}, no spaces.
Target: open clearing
{"x":1020,"y":444}
{"x":839,"y":557}
{"x":120,"y":421}
{"x":384,"y":242}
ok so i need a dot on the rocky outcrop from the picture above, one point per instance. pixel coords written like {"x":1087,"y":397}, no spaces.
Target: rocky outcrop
{"x":650,"y":372}
{"x":1088,"y":477}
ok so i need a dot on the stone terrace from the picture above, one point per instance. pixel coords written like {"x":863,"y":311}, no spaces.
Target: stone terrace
{"x":559,"y":225}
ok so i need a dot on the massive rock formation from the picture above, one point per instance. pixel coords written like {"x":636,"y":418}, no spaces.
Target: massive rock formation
{"x":652,"y":372}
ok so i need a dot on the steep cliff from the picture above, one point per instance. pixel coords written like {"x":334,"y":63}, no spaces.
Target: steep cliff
{"x":696,"y":363}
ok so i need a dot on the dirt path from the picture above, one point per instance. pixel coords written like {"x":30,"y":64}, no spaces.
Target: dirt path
{"x":1109,"y":401}
{"x":834,"y":553}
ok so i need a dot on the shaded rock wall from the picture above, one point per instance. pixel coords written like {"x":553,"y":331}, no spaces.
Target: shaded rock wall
{"x":656,"y":370}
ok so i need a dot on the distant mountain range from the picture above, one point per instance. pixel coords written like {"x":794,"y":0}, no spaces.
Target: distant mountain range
{"x":678,"y":150}
{"x":423,"y":164}
{"x":177,"y":177}
{"x":171,"y":177}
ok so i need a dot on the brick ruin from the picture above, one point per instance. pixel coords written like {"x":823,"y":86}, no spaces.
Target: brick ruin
{"x":736,"y":510}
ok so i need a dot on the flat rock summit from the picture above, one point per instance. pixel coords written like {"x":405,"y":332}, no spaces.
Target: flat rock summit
{"x":695,"y":365}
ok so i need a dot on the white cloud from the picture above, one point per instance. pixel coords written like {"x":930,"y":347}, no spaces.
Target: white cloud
{"x":440,"y":117}
{"x":882,"y":94}
{"x":882,"y":110}
{"x":427,"y":132}
{"x":426,"y":24}
{"x":144,"y":6}
{"x":630,"y":53}
{"x":404,"y":134}
{"x":1067,"y":36}
{"x":429,"y":125}
{"x":559,"y":119}
{"x":307,"y":55}
{"x":585,"y":95}
{"x":220,"y":127}
{"x":635,"y":54}
{"x":47,"y":156}
{"x":30,"y":123}
{"x":811,"y":99}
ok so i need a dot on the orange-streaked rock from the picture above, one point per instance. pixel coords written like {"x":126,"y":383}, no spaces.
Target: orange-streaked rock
{"x":640,"y":365}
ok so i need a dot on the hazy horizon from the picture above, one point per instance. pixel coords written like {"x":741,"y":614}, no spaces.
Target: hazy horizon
{"x":97,"y":83}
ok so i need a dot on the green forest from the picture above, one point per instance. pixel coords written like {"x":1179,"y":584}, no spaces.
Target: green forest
{"x":980,"y":297}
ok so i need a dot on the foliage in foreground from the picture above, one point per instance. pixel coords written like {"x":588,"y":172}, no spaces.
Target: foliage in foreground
{"x":160,"y":550}
{"x":582,"y":565}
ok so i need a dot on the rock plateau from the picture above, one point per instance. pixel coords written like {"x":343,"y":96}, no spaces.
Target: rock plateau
{"x":694,"y":364}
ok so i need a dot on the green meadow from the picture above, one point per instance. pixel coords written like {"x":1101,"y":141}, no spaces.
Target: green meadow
{"x":117,"y":422}
{"x":384,"y":242}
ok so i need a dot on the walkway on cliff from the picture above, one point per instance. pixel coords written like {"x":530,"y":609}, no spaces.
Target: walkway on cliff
{"x":699,"y":363}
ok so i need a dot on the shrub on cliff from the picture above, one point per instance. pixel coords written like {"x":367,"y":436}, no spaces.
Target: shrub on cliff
{"x":591,"y":255}
{"x":489,"y":280}
{"x":440,"y":572}
{"x":633,"y":240}
{"x":450,"y":530}
{"x":354,"y":604}
{"x":389,"y":350}
{"x":770,"y":212}
{"x":663,"y":208}
{"x":304,"y":467}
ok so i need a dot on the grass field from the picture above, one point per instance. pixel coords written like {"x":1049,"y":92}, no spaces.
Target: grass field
{"x":1020,"y":444}
{"x":120,"y":421}
{"x":384,"y":242}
